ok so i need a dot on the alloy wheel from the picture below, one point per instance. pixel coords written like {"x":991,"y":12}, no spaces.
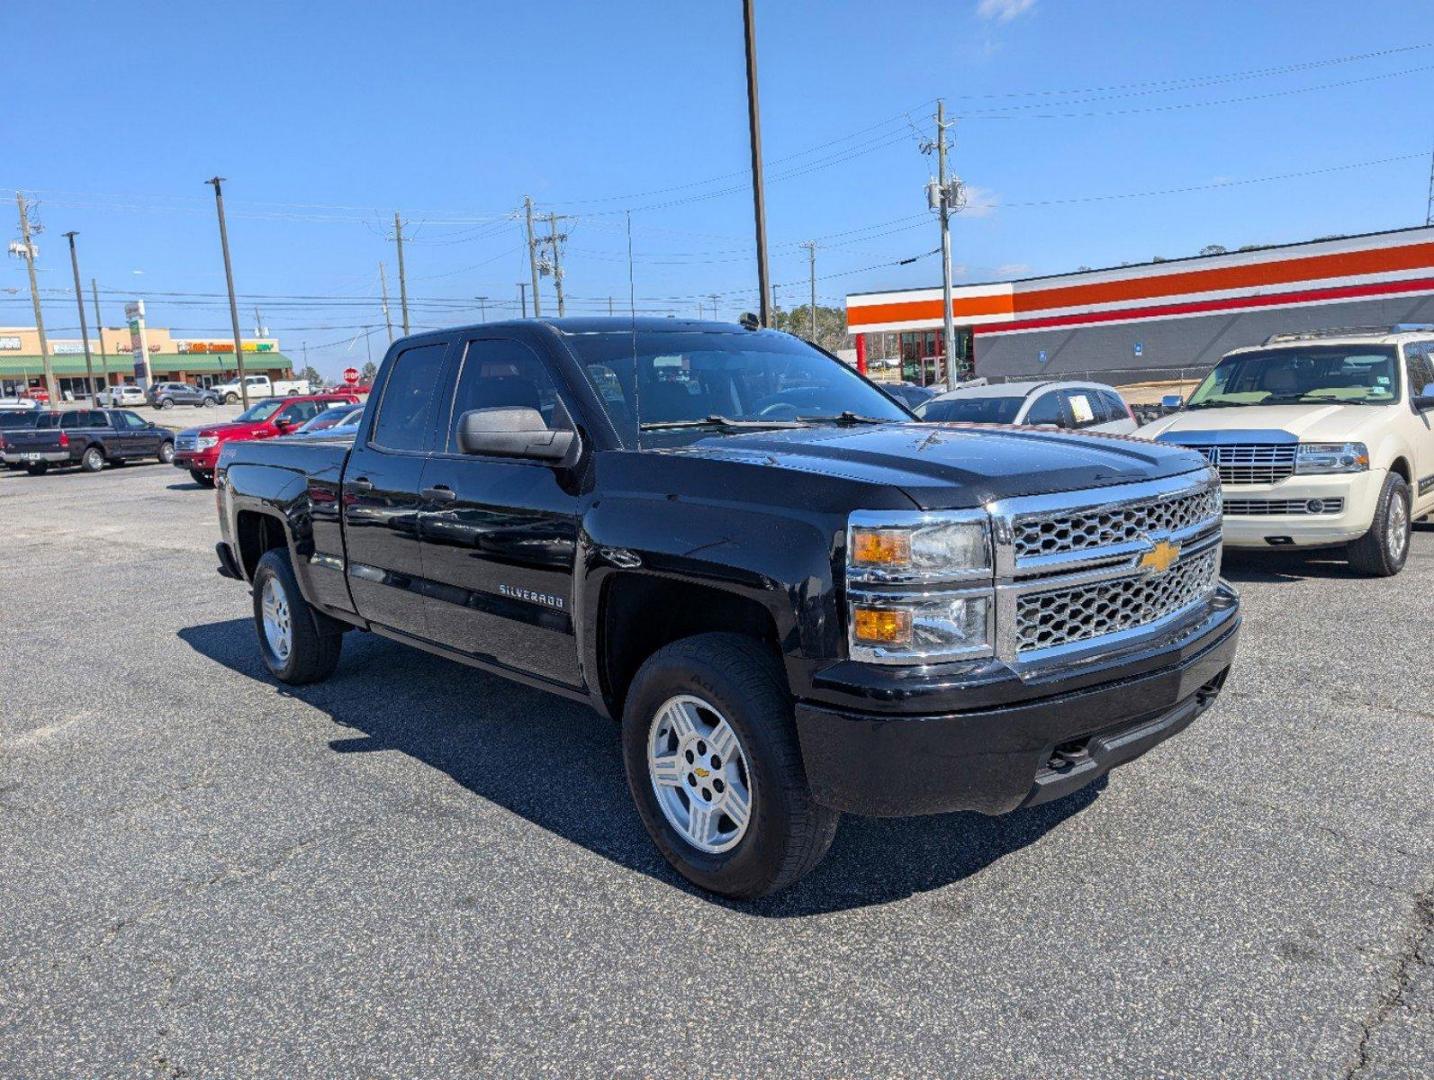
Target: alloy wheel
{"x":699,"y":774}
{"x":278,"y":630}
{"x":1396,"y":530}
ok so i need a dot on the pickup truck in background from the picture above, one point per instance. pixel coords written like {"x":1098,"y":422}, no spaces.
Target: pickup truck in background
{"x":89,"y":438}
{"x":197,"y":448}
{"x":260,"y":386}
{"x":797,"y":601}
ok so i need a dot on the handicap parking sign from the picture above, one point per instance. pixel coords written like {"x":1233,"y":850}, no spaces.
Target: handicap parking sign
{"x":1139,"y":348}
{"x":1042,"y":356}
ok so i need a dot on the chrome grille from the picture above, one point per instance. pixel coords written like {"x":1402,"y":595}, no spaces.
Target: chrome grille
{"x":185,"y":442}
{"x":1251,"y":463}
{"x":1065,"y":616}
{"x":1244,"y":507}
{"x":1056,"y":534}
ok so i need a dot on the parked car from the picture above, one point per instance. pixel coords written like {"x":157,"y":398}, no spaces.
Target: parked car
{"x":18,"y":404}
{"x":120,"y":394}
{"x":1075,"y":406}
{"x":167,"y":395}
{"x":330,"y":422}
{"x":797,"y":600}
{"x":16,"y":420}
{"x":1323,"y":440}
{"x":89,"y":438}
{"x":197,"y":448}
{"x":909,"y":394}
{"x":260,"y":386}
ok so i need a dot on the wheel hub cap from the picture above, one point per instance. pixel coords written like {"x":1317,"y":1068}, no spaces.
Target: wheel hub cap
{"x":1398,"y":527}
{"x":699,"y":774}
{"x":278,"y":631}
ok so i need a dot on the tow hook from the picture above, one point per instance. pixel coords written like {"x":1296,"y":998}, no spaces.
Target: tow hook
{"x":1068,"y":756}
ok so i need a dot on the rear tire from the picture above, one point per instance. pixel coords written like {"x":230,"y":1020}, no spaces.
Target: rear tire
{"x":737,"y":680}
{"x":1382,"y":551}
{"x":93,"y":459}
{"x":202,"y":479}
{"x":299,"y":645}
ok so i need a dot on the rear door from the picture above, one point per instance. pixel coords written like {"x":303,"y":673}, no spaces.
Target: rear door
{"x":86,"y":426}
{"x":500,"y":535}
{"x":381,"y":486}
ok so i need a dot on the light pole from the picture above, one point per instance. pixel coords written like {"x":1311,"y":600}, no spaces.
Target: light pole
{"x":218,"y":181}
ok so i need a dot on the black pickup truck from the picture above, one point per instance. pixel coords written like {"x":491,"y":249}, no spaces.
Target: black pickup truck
{"x":89,"y":438}
{"x":797,"y":601}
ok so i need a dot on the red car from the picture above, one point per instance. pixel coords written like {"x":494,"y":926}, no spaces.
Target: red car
{"x":197,"y":448}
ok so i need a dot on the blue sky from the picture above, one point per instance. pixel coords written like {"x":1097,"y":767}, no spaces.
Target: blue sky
{"x":327,"y":117}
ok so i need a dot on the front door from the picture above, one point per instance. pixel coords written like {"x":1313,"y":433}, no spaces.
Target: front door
{"x":381,"y":486}
{"x":137,"y":437}
{"x":500,"y":535}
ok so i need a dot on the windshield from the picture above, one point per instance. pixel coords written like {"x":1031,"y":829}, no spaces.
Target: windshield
{"x":260,"y":412}
{"x":1330,"y":374}
{"x":971,"y":410}
{"x":747,"y":377}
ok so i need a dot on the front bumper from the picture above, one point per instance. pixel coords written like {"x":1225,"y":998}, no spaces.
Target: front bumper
{"x":197,"y":460}
{"x":34,"y":457}
{"x":1360,"y":492}
{"x":996,"y":741}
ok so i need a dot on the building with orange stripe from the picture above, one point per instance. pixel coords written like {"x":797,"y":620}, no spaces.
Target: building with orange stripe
{"x":1158,"y":321}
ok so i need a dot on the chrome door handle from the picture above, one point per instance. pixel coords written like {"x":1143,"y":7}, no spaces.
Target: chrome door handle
{"x":362,"y":483}
{"x":439,"y":493}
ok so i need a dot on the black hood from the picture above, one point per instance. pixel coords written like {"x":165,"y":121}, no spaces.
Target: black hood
{"x":949,"y":466}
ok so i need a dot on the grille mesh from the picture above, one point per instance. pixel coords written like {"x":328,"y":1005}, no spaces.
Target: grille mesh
{"x":1081,"y":531}
{"x":1243,"y":507}
{"x":185,"y":442}
{"x":1065,"y":616}
{"x":1251,"y":463}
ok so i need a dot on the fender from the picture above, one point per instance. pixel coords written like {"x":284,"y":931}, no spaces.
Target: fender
{"x":281,"y":494}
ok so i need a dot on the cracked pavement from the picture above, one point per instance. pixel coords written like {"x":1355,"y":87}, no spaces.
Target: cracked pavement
{"x":416,"y":869}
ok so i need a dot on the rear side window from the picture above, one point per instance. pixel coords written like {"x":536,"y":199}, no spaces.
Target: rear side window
{"x":408,"y":412}
{"x":1087,"y":409}
{"x":1420,"y":363}
{"x":84,"y":419}
{"x":498,"y":372}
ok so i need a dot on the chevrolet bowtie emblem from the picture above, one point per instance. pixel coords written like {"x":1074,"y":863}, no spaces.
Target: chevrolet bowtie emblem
{"x":1160,"y":558}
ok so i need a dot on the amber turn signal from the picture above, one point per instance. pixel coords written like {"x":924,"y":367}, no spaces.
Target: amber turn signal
{"x":880,"y":547}
{"x":878,"y":626}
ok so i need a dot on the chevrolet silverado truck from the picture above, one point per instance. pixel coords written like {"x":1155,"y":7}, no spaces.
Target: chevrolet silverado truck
{"x":796,"y":600}
{"x":1323,"y":440}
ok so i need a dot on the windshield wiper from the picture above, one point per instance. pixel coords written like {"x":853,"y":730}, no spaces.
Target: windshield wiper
{"x":845,"y":417}
{"x":722,"y":422}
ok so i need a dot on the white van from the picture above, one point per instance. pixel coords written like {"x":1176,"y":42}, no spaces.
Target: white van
{"x":1323,"y":439}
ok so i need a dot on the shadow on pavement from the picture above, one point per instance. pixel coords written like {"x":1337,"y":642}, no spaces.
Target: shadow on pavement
{"x":559,"y":765}
{"x":1285,"y":566}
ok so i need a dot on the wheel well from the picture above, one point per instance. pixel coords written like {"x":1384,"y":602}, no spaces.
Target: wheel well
{"x":639,"y":615}
{"x":1401,"y":466}
{"x":256,"y":534}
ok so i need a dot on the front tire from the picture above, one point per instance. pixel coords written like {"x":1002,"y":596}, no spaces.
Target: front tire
{"x":166,"y":453}
{"x":93,"y":459}
{"x":1382,"y":551}
{"x":205,"y":480}
{"x":231,"y":398}
{"x":735,"y":817}
{"x":166,"y":403}
{"x":299,"y":645}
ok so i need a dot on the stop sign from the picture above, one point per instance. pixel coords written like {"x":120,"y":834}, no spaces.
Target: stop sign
{"x":351,"y":375}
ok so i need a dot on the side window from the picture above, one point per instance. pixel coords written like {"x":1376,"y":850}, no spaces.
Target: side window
{"x":1115,"y":405}
{"x":1086,"y":408}
{"x":132,"y":421}
{"x":1046,"y":410}
{"x":498,"y":372}
{"x":301,"y":411}
{"x":84,"y":419}
{"x":410,"y":399}
{"x":1420,"y":365}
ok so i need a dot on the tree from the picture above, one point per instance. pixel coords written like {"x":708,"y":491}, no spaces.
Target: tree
{"x":831,"y":325}
{"x":1213,"y":249}
{"x":311,"y":374}
{"x":368,"y":372}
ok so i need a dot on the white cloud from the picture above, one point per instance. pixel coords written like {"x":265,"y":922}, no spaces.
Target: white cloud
{"x":1006,"y":271}
{"x":1003,"y":10}
{"x":980,"y":202}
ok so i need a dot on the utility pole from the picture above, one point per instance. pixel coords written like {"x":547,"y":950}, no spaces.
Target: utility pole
{"x":218,"y":182}
{"x":609,"y":305}
{"x":759,"y":199}
{"x":383,"y":285}
{"x":260,"y":330}
{"x":84,"y":327}
{"x":811,"y":246}
{"x":482,"y":308}
{"x":945,"y":196}
{"x":532,"y":260}
{"x":50,"y":387}
{"x":402,"y":280}
{"x":714,"y":307}
{"x":555,"y":240}
{"x":523,"y":297}
{"x":100,"y":330}
{"x":1429,"y":209}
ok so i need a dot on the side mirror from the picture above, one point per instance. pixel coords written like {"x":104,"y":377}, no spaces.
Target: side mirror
{"x":1424,"y":400}
{"x":512,"y":431}
{"x":285,"y":425}
{"x":1171,"y":401}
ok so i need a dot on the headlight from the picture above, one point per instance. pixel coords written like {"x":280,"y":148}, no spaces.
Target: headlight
{"x":1331,"y":458}
{"x":947,"y":612}
{"x":204,"y":442}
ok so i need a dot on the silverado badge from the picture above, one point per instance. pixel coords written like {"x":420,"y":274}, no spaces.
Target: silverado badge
{"x":1160,"y":558}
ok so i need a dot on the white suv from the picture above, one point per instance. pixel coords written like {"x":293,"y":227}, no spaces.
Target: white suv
{"x":1323,"y":439}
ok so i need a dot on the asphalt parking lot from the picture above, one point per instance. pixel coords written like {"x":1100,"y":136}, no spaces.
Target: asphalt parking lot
{"x":417,"y":869}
